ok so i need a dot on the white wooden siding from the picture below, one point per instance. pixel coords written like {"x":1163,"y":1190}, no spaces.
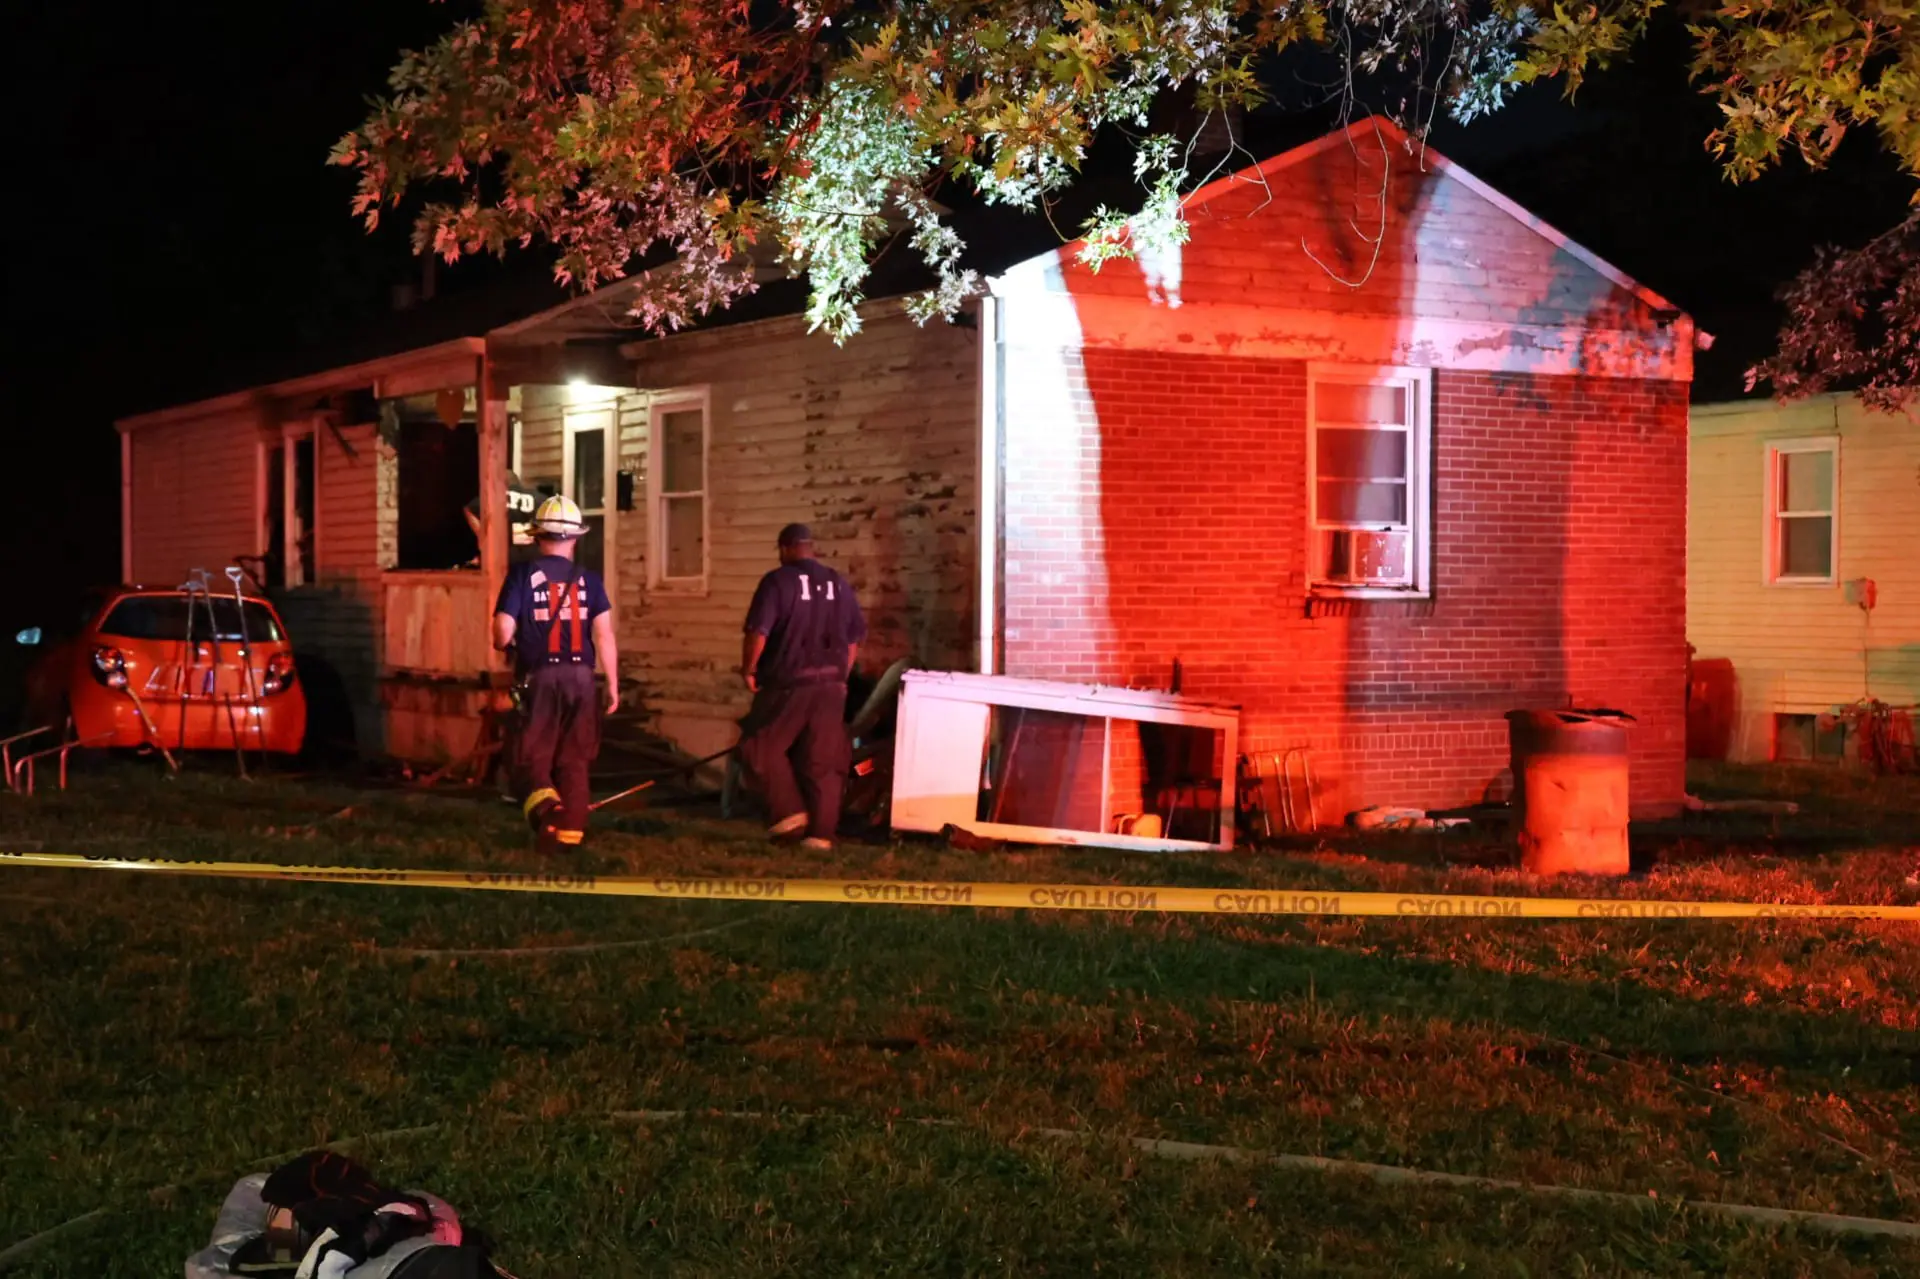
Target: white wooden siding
{"x":871,"y":443}
{"x":193,"y":496}
{"x":1804,"y":649}
{"x":541,"y":439}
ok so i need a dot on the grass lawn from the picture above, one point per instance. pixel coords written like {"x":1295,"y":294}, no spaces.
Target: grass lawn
{"x":869,"y":1082}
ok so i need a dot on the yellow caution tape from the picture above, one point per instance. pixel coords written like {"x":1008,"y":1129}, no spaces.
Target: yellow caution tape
{"x":889,"y":892}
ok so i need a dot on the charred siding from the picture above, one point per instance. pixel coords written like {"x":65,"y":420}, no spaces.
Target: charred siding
{"x":872,"y":443}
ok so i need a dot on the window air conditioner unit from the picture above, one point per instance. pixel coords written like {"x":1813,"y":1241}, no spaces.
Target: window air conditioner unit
{"x":1367,"y":557}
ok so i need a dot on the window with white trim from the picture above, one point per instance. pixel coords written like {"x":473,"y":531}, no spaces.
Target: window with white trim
{"x":1369,"y":507}
{"x":677,"y":491}
{"x":287,"y":517}
{"x":1803,"y":503}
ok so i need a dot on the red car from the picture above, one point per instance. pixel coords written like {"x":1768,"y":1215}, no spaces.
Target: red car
{"x":186,"y":670}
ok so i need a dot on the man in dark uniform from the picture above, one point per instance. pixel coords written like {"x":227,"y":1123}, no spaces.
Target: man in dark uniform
{"x":522,"y":502}
{"x":803,"y":632}
{"x":557,"y":619}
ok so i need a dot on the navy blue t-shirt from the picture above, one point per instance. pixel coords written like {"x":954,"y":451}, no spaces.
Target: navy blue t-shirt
{"x":525,"y":596}
{"x":809,"y":615}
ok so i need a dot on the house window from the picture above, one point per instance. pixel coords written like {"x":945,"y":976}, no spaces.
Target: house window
{"x":1367,"y":492}
{"x":584,"y":471}
{"x":677,"y":478}
{"x":1804,"y":738}
{"x":287,"y":514}
{"x":1803,"y":491}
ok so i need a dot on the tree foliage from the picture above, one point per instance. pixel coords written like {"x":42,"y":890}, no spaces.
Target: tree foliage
{"x":1853,"y":319}
{"x":687,"y":137}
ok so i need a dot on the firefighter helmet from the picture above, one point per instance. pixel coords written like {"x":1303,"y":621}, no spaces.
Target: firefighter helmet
{"x":559,"y":517}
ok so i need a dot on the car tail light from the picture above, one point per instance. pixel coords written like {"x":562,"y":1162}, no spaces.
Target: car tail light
{"x":280,"y":673}
{"x":110,"y":667}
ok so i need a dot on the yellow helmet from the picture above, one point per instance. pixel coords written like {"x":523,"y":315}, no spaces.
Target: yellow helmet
{"x":559,"y":517}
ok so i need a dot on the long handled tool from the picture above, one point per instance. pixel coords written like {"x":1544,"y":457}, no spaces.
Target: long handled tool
{"x":199,"y":597}
{"x":234,"y":574}
{"x":655,"y":781}
{"x":631,"y":790}
{"x":153,"y":734}
{"x":239,"y":755}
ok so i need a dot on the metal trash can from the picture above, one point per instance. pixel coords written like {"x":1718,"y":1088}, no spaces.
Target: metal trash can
{"x":1570,"y":792}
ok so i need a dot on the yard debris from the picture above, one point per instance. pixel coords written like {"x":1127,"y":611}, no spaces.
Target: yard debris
{"x":968,"y":842}
{"x":1392,"y":817}
{"x":1697,"y":805}
{"x":1385,"y":816}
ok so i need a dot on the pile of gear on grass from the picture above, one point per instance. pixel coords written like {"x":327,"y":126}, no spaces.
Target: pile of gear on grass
{"x":323,"y":1216}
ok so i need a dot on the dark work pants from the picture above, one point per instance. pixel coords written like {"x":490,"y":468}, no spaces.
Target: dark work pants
{"x":558,"y":737}
{"x":805,"y":725}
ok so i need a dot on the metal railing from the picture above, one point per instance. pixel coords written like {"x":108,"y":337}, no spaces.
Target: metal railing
{"x":21,"y":774}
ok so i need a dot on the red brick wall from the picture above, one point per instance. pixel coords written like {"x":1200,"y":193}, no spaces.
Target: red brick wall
{"x":1367,"y":230}
{"x":1155,"y":509}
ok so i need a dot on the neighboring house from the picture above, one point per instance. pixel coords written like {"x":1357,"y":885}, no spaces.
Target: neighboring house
{"x":1376,"y":456}
{"x":1803,"y":559}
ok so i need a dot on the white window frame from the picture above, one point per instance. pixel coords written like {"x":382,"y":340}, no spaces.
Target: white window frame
{"x":576,"y":418}
{"x":659,"y":404}
{"x":290,"y":435}
{"x":1419,"y":385}
{"x":1772,"y":547}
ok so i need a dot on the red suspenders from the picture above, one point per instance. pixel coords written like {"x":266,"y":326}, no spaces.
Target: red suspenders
{"x":556,"y":596}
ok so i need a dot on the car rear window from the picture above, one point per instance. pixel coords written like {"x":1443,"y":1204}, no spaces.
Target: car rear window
{"x":164,"y":617}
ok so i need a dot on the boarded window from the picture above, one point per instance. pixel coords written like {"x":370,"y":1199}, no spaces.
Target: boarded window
{"x":1367,"y":490}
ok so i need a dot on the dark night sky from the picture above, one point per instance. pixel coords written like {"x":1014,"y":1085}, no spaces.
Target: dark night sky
{"x":177,"y":232}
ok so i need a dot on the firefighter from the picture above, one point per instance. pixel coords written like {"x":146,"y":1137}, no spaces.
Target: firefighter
{"x":803,"y":632}
{"x":556,"y":618}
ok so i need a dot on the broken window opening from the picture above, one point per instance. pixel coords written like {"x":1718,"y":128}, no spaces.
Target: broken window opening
{"x":436,"y":441}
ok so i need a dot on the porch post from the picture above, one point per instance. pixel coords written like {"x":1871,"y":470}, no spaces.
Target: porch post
{"x":987,"y":466}
{"x":491,"y":391}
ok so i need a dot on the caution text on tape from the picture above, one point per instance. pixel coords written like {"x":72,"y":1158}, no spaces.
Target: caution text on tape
{"x":1094,"y":897}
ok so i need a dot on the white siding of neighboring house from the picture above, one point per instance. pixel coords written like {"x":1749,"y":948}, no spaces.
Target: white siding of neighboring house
{"x":1804,"y":649}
